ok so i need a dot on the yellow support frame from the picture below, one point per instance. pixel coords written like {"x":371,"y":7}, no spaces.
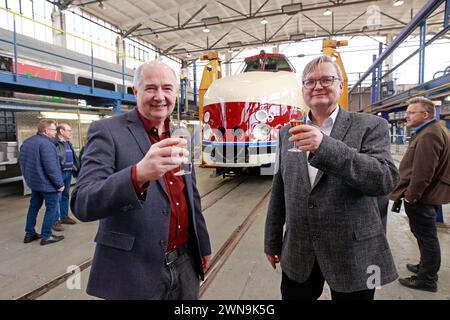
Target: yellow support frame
{"x":329,"y":49}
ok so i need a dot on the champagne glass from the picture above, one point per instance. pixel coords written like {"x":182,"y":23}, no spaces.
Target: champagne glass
{"x":296,"y":117}
{"x":181,"y":131}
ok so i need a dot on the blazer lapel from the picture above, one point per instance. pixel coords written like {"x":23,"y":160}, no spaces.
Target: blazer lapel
{"x":338,"y":132}
{"x":140,"y":135}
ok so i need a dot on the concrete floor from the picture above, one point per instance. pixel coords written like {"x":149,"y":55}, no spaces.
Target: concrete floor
{"x":245,"y":275}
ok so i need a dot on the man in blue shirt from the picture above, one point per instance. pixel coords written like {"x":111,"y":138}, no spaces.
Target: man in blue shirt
{"x":41,"y":170}
{"x":69,"y":166}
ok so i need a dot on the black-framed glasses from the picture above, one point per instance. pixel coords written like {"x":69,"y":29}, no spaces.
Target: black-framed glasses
{"x":324,"y":82}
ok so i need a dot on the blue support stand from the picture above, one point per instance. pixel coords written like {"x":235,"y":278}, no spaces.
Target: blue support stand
{"x":195,"y":84}
{"x":423,"y":34}
{"x":374,"y":83}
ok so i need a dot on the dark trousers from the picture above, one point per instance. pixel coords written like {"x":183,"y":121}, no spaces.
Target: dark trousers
{"x":422,"y":222}
{"x":179,"y":280}
{"x":312,"y":288}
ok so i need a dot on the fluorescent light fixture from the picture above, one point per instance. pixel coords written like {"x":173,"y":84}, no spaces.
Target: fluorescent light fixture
{"x":398,"y":3}
{"x":70,"y":116}
{"x":327,"y":12}
{"x":297,"y":36}
{"x":211,"y":20}
{"x":179,"y":50}
{"x":235,"y":44}
{"x":291,"y":9}
{"x":188,"y":55}
{"x":230,"y":50}
{"x":447,"y":98}
{"x":206,"y":30}
{"x":264,"y":21}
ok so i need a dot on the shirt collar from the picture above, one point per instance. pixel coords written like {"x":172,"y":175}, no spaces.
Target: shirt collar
{"x":328,"y":121}
{"x":151,"y":129}
{"x":417,"y":129}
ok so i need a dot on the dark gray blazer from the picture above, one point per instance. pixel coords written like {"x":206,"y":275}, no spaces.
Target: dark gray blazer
{"x":133,"y":233}
{"x":337,"y":221}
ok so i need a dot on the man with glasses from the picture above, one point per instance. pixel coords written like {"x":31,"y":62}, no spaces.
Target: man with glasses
{"x":323,"y":221}
{"x":424,"y":185}
{"x":70,"y":166}
{"x":41,"y":170}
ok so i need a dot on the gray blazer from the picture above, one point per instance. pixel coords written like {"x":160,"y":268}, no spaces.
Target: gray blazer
{"x":133,"y":232}
{"x":337,"y":220}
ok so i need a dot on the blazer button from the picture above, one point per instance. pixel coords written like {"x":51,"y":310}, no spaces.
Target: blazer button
{"x":311,"y":206}
{"x":162,"y":242}
{"x":165,"y":212}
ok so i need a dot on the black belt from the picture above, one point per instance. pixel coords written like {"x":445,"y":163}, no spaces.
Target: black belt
{"x":175,"y":254}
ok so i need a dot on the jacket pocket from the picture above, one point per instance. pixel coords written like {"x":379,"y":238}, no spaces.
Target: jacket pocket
{"x":115,"y":240}
{"x":367,"y":233}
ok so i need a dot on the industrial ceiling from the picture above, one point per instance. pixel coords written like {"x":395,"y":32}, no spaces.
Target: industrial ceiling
{"x":177,"y":27}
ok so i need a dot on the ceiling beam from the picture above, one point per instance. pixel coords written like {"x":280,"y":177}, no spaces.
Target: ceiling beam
{"x":232,"y":9}
{"x":286,"y":40}
{"x":278,"y":30}
{"x":393,"y":18}
{"x":193,"y":16}
{"x":259,"y":9}
{"x":329,"y":33}
{"x":363,"y":13}
{"x":131,"y":30}
{"x":265,"y":14}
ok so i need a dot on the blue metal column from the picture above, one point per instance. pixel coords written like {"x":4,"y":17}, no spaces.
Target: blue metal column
{"x":423,"y":33}
{"x":118,"y":107}
{"x":194,"y":69}
{"x":380,"y":71}
{"x":92,"y":68}
{"x":447,"y":13}
{"x":16,"y":62}
{"x":182,"y":94}
{"x":374,"y":85}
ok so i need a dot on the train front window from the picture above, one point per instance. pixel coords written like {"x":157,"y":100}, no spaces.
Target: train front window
{"x":270,"y":63}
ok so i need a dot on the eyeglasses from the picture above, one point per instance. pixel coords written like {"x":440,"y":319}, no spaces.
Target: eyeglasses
{"x":412,"y":112}
{"x":324,"y":82}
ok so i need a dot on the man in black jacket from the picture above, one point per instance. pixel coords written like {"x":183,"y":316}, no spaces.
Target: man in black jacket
{"x":70,"y":166}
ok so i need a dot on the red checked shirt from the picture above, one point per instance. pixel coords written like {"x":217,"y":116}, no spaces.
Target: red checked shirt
{"x":175,"y":186}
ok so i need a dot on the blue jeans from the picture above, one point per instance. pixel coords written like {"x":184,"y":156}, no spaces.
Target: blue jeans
{"x":51,"y":210}
{"x":63,"y":211}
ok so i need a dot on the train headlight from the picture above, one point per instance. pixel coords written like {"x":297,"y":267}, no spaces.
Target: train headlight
{"x":261,"y":132}
{"x":207,"y":132}
{"x":262,"y":116}
{"x":206,"y":117}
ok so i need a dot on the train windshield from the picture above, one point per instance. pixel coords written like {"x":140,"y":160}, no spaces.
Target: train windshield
{"x":268,"y":63}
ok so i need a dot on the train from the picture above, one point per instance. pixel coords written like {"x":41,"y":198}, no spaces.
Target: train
{"x":243,"y":114}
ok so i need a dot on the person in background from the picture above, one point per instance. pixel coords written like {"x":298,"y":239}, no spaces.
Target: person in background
{"x":70,"y":166}
{"x":424,"y":185}
{"x":41,"y":171}
{"x":152,"y":241}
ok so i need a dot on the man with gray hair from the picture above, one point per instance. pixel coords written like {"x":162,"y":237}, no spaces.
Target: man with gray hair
{"x":152,"y":241}
{"x":424,"y":185}
{"x":323,"y":221}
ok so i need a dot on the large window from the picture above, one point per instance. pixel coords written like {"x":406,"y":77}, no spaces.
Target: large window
{"x":38,"y":10}
{"x":88,"y":34}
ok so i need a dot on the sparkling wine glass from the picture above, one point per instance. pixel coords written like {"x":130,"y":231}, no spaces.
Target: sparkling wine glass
{"x":180,"y":131}
{"x":297,"y":116}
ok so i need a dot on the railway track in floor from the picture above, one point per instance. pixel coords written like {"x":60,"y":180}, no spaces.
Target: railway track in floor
{"x":214,"y":195}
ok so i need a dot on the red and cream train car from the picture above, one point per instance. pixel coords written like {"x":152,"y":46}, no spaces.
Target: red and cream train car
{"x":243,"y":113}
